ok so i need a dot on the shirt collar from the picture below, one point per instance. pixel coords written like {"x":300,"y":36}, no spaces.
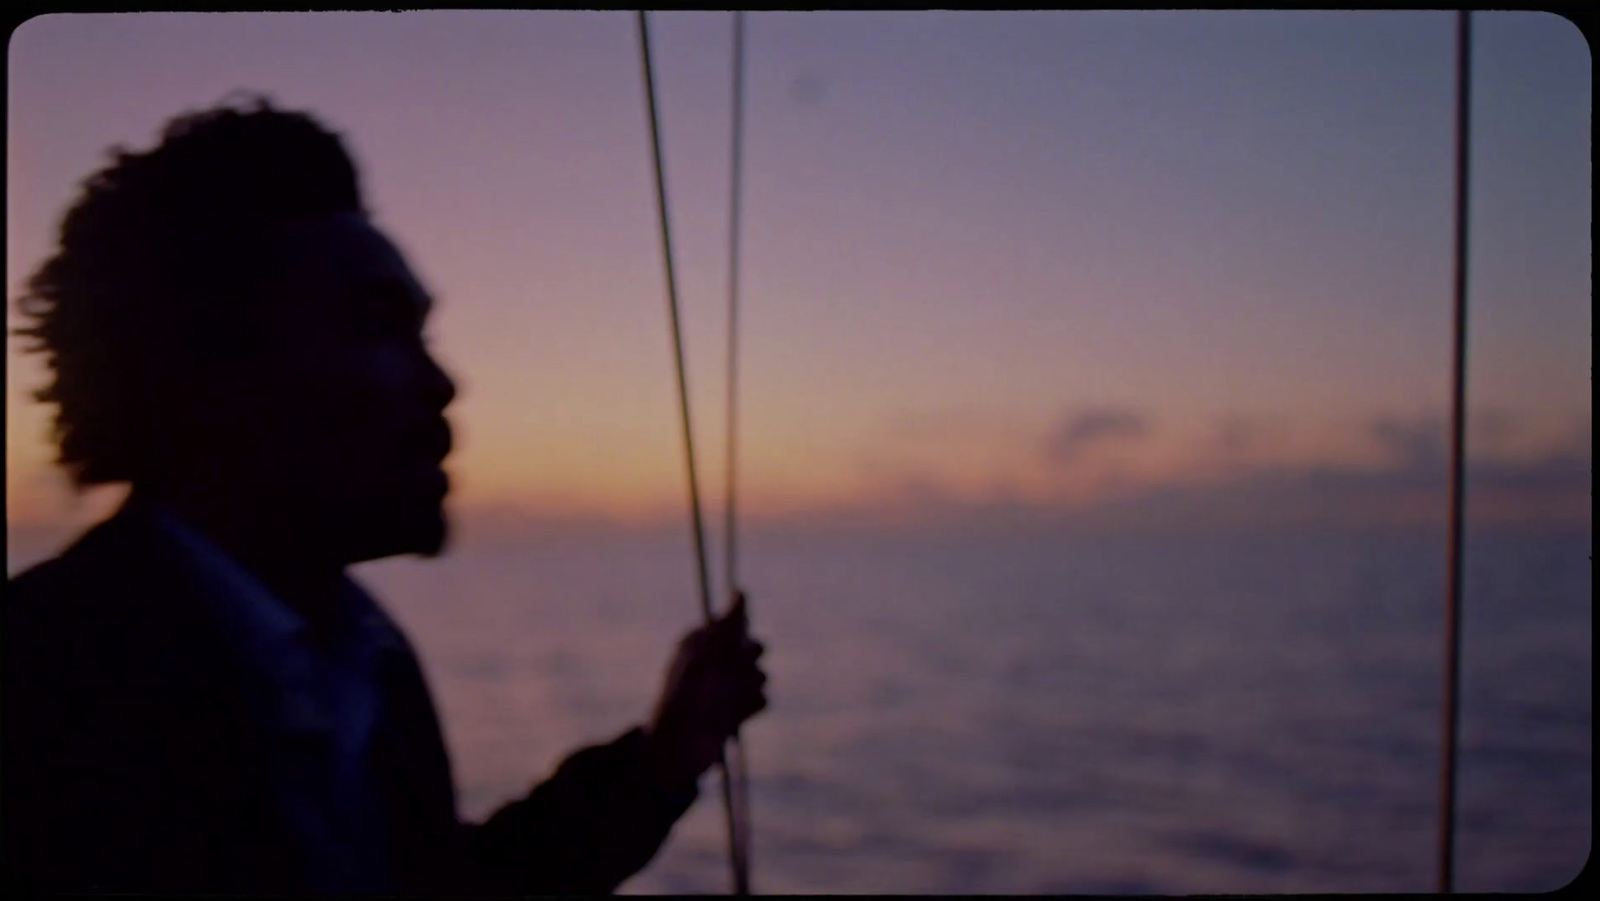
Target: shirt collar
{"x":265,"y":628}
{"x":248,"y":607}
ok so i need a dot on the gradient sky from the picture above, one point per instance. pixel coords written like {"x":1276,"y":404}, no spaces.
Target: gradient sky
{"x":1034,"y":255}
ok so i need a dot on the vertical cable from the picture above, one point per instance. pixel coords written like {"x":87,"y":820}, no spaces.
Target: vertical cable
{"x":730,"y":525}
{"x":733,"y":301}
{"x":1458,"y":415}
{"x":683,"y":406}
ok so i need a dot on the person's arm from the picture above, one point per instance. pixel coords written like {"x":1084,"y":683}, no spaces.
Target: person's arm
{"x":599,"y":819}
{"x":608,"y":808}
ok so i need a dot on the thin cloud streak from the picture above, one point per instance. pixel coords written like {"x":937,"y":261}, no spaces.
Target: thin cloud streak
{"x":1080,"y":431}
{"x":1552,"y":492}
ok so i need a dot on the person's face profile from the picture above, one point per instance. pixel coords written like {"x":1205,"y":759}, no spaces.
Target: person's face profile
{"x":357,"y":430}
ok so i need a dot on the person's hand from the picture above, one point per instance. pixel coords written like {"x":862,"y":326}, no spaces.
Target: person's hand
{"x":713,"y":686}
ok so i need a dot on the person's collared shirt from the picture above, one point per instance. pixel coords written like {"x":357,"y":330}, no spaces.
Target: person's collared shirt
{"x":318,"y":707}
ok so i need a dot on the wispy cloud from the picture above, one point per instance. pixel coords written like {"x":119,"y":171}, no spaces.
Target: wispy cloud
{"x":1407,"y":486}
{"x":1084,"y":429}
{"x":1492,"y":426}
{"x":1237,"y":433}
{"x":1417,"y":444}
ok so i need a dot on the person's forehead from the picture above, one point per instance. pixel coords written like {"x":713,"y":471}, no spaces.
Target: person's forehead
{"x":343,"y":251}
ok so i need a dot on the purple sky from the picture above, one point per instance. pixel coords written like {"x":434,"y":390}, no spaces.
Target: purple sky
{"x":966,"y":235}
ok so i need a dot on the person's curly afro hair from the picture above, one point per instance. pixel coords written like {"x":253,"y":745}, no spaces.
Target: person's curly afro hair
{"x":157,"y":274}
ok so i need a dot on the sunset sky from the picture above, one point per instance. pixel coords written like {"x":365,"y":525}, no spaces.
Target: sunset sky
{"x":1042,"y":258}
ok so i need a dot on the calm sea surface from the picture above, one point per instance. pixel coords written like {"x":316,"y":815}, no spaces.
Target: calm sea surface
{"x":1116,"y":715}
{"x":1052,"y":714}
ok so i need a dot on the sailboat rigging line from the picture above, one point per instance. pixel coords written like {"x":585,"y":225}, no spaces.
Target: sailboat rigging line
{"x":696,"y":520}
{"x":1451,"y":706}
{"x":1458,"y":412}
{"x":730,"y":530}
{"x":733,"y":298}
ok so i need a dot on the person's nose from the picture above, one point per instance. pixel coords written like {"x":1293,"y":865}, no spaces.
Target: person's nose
{"x":441,"y":387}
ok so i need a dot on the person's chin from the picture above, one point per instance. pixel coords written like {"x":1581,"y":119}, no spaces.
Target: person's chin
{"x":413,"y":523}
{"x":421,"y":535}
{"x":435,"y":538}
{"x":427,"y":528}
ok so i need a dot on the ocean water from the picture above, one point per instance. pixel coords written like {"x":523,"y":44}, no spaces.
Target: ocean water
{"x":1050,"y":713}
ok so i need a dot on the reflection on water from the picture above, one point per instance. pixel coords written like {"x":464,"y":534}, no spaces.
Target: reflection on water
{"x":1056,"y":715}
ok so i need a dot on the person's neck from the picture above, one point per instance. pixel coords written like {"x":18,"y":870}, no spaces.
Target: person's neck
{"x":268,"y":542}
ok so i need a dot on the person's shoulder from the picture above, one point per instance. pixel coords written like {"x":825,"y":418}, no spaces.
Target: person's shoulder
{"x":39,"y":607}
{"x":101,"y":564}
{"x":41,"y":601}
{"x":48,"y":577}
{"x":33,"y":582}
{"x":42,"y":585}
{"x":104,"y":612}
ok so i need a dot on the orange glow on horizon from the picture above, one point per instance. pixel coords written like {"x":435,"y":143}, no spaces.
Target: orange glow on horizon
{"x":935,"y":306}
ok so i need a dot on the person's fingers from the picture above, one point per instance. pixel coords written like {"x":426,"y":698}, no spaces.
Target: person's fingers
{"x":696,"y":638}
{"x":728,"y":698}
{"x":751,"y":650}
{"x":736,"y":717}
{"x":753,"y":686}
{"x":737,"y":619}
{"x":728,"y":635}
{"x":752,"y":705}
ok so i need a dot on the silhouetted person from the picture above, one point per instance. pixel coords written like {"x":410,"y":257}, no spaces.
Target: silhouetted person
{"x":196,"y":696}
